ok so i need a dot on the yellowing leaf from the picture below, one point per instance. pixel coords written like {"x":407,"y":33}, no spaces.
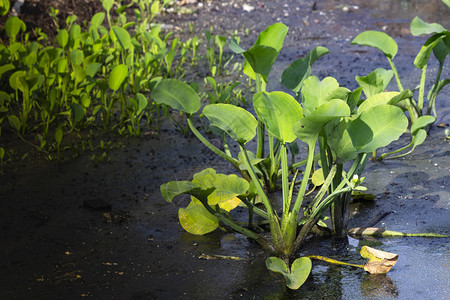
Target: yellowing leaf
{"x":230,"y":204}
{"x":317,"y":177}
{"x":196,"y":219}
{"x":380,"y":262}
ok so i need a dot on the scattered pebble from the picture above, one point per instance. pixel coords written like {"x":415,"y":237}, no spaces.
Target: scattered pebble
{"x":248,"y":8}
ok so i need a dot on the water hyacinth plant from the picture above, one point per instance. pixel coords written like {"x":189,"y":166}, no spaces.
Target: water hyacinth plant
{"x":422,"y":115}
{"x":330,"y":116}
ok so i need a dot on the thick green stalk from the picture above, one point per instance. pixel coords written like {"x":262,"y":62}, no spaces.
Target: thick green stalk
{"x":431,"y":104}
{"x":305,"y":180}
{"x":213,"y":148}
{"x":401,"y":89}
{"x":261,"y":127}
{"x":333,"y":261}
{"x":421,"y":91}
{"x":285,"y":180}
{"x":384,"y":155}
{"x":257,"y":183}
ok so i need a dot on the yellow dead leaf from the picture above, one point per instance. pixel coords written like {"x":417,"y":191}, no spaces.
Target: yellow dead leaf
{"x":380,"y":262}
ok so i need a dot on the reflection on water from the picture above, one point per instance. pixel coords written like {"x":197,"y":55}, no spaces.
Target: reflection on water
{"x":378,"y":286}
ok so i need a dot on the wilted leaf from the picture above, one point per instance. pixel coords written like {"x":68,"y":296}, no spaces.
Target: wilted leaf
{"x":380,"y":262}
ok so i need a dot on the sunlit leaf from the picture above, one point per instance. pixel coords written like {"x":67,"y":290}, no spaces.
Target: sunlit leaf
{"x":235,"y":121}
{"x":375,"y":100}
{"x":419,"y":27}
{"x":279,"y":112}
{"x":378,"y":40}
{"x":316,"y":92}
{"x":117,"y":76}
{"x":376,"y":82}
{"x":422,"y":57}
{"x":196,"y":219}
{"x":386,"y":123}
{"x":122,"y":36}
{"x":317,"y":177}
{"x":175,"y":188}
{"x":176,"y":94}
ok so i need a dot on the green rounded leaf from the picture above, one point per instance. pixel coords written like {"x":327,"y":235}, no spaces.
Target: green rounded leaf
{"x":176,"y":94}
{"x":77,"y":112}
{"x":376,"y":82}
{"x":300,"y":270}
{"x":195,"y":219}
{"x":422,"y":57}
{"x":172,"y":189}
{"x":294,"y":75}
{"x":379,"y":40}
{"x":13,"y":26}
{"x":279,"y":112}
{"x":419,"y":27}
{"x":375,"y":100}
{"x":236,"y":121}
{"x":142,"y":103}
{"x":308,"y":128}
{"x":421,"y":122}
{"x":316,"y":92}
{"x":386,"y":122}
{"x":122,"y":36}
{"x":117,"y":76}
{"x":317,"y":177}
{"x":63,"y":38}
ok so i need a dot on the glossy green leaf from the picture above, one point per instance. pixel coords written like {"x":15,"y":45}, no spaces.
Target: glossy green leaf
{"x":63,"y":38}
{"x":422,"y":57}
{"x":176,"y":94}
{"x":13,"y":79}
{"x":375,"y":100}
{"x":107,"y":4}
{"x":308,"y":128}
{"x":92,"y":69}
{"x":261,"y":56}
{"x":117,"y":76}
{"x":13,"y":26}
{"x":376,"y":82}
{"x":4,"y":8}
{"x":5,"y":68}
{"x":419,"y":27}
{"x":279,"y":112}
{"x":419,"y":138}
{"x":386,"y":122}
{"x":78,"y":73}
{"x":316,"y":92}
{"x":447,"y":2}
{"x":195,"y":219}
{"x":300,"y":270}
{"x":226,"y":187}
{"x":339,"y":139}
{"x":294,"y":75}
{"x":235,"y":121}
{"x":122,"y":36}
{"x":378,"y":40}
{"x":421,"y":122}
{"x":142,"y":103}
{"x":97,"y":20}
{"x":172,"y":189}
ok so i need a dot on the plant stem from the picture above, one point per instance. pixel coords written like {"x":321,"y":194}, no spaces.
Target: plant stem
{"x":333,"y":261}
{"x":380,"y":232}
{"x":421,"y":91}
{"x":434,"y":92}
{"x":285,"y":180}
{"x":412,"y":114}
{"x":213,"y":148}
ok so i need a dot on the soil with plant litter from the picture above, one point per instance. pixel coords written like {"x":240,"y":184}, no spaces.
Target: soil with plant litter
{"x":81,"y":228}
